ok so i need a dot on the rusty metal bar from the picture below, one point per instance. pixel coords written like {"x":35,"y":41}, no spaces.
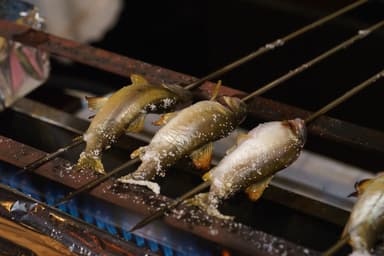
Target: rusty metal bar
{"x":45,"y":229}
{"x":82,"y":53}
{"x":240,"y":238}
{"x":330,"y":128}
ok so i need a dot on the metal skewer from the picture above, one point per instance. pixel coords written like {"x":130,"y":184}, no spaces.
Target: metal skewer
{"x":361,"y":34}
{"x":76,"y":51}
{"x":275,"y":44}
{"x":302,"y":68}
{"x":337,"y":246}
{"x":32,"y":166}
{"x":312,"y":117}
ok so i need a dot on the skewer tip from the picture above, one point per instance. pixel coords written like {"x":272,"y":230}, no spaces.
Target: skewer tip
{"x":62,"y":200}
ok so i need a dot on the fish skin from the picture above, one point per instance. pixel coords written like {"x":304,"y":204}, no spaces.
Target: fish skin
{"x":192,"y":128}
{"x":267,"y":149}
{"x":366,"y":221}
{"x":121,"y":109}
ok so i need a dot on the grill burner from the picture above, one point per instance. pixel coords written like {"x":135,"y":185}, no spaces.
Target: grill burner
{"x":325,"y":127}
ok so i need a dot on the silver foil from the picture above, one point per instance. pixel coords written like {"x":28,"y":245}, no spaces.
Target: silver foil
{"x":22,"y":68}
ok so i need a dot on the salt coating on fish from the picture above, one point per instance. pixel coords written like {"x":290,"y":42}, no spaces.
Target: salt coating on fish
{"x":190,"y":132}
{"x":124,"y":112}
{"x":366,"y":222}
{"x":261,"y":153}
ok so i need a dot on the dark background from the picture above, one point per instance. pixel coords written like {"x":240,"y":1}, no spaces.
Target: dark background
{"x":198,"y":37}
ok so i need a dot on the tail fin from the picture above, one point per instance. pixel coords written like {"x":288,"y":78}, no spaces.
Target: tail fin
{"x":87,"y":161}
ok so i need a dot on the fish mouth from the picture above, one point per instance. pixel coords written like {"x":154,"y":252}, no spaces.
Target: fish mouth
{"x":299,"y":128}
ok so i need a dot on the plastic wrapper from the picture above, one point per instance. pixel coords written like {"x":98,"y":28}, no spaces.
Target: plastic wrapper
{"x":22,"y":68}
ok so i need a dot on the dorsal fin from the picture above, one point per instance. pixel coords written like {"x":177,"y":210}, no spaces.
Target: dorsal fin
{"x":138,"y":79}
{"x":96,"y":103}
{"x":216,"y":90}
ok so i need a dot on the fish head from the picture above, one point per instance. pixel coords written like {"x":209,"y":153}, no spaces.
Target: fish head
{"x":298,"y":128}
{"x":237,"y":106}
{"x":183,"y":96}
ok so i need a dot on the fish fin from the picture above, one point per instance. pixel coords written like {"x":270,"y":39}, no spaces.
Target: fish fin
{"x":207,"y":176}
{"x":255,"y":191}
{"x":90,"y":162}
{"x":360,"y":186}
{"x":216,"y":90}
{"x":138,"y":80}
{"x":202,"y":157}
{"x":353,"y":194}
{"x":231,"y":149}
{"x":201,"y":201}
{"x":3,"y":49}
{"x":128,"y":179}
{"x":138,"y":152}
{"x":96,"y":103}
{"x":164,"y":119}
{"x":242,"y":136}
{"x":137,"y":125}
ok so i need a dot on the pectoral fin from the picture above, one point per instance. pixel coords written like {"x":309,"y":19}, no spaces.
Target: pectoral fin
{"x":202,"y":157}
{"x":164,"y":119}
{"x":207,"y":176}
{"x":255,"y":191}
{"x":137,"y":125}
{"x":96,"y":103}
{"x":138,"y":80}
{"x":216,"y":90}
{"x":138,"y":152}
{"x":242,"y":136}
{"x":360,"y":186}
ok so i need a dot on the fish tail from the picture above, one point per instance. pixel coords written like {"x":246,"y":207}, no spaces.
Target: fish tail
{"x":142,"y":176}
{"x":204,"y":202}
{"x":87,"y":161}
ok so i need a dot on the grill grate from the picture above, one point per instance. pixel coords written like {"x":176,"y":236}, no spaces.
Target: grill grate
{"x":53,"y":193}
{"x":364,"y":139}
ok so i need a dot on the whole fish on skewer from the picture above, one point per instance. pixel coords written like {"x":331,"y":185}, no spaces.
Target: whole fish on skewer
{"x":258,"y":155}
{"x":189,"y":133}
{"x":366,"y":222}
{"x":125,"y":111}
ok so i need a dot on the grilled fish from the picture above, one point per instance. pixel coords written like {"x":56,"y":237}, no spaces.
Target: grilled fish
{"x":258,"y":155}
{"x":190,"y":133}
{"x":124,"y":112}
{"x":366,"y":221}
